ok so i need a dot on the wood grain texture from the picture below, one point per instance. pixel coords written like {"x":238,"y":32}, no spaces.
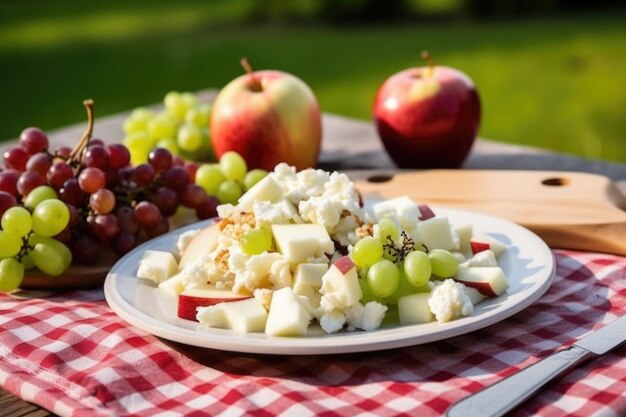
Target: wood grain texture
{"x":569,"y":210}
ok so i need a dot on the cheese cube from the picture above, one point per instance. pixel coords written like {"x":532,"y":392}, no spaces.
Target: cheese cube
{"x":298,"y":242}
{"x":245,"y":316}
{"x":308,"y":276}
{"x":174,"y":285}
{"x":265,"y":190}
{"x":157,"y":266}
{"x":435,"y":233}
{"x":495,"y":245}
{"x":464,"y":232}
{"x":288,"y":315}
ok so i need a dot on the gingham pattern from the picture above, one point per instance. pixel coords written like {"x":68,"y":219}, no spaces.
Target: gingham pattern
{"x":72,"y":355}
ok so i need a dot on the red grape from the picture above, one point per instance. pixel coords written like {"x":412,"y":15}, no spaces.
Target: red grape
{"x":119,"y":156}
{"x":166,"y":200}
{"x":85,"y":250}
{"x":113,"y":177}
{"x":33,"y":140}
{"x":144,"y":174}
{"x":95,"y":142}
{"x":102,"y":201}
{"x":208,"y":208}
{"x":177,"y":161}
{"x":161,"y":228}
{"x":74,"y":215}
{"x":91,"y":179}
{"x":63,"y":152}
{"x":6,"y":202}
{"x":15,"y":158}
{"x":28,"y":181}
{"x":192,"y":195}
{"x":126,"y":220}
{"x":58,"y":173}
{"x":8,"y":181}
{"x":147,"y":214}
{"x":191,"y":168}
{"x":96,"y":156}
{"x":175,"y":178}
{"x":105,"y":226}
{"x":160,"y":159}
{"x":123,"y":243}
{"x":71,"y":193}
{"x":40,"y":163}
{"x":64,"y":236}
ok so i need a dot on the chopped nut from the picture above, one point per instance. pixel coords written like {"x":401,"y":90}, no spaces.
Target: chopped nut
{"x":366,"y":229}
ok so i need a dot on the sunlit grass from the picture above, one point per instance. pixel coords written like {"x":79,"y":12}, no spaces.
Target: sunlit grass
{"x":557,"y":83}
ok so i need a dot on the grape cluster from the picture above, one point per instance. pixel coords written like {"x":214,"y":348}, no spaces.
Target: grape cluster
{"x":182,"y":128}
{"x":67,"y":204}
{"x":392,"y":265}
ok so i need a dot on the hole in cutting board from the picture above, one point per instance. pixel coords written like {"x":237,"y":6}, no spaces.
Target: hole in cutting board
{"x":380,"y":178}
{"x":555,"y":182}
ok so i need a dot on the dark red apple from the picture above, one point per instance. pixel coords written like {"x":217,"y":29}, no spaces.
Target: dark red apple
{"x":427,"y":117}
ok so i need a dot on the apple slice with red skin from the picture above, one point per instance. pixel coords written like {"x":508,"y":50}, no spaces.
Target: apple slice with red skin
{"x":202,"y":243}
{"x":489,"y":280}
{"x":479,"y":247}
{"x":344,"y":264}
{"x":425,"y":212}
{"x":190,"y":300}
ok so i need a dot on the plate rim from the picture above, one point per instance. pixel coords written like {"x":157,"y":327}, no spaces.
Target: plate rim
{"x":381,"y":339}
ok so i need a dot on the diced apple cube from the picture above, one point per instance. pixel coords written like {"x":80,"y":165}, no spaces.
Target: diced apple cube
{"x":425,"y":212}
{"x":244,"y":316}
{"x":490,"y":281}
{"x":340,"y":285}
{"x":464,"y":232}
{"x":202,"y":243}
{"x":174,"y":285}
{"x":435,"y":233}
{"x":494,"y":244}
{"x":189,"y":300}
{"x":157,"y":266}
{"x":265,"y":190}
{"x":288,"y":315}
{"x":298,"y":242}
{"x":414,"y":309}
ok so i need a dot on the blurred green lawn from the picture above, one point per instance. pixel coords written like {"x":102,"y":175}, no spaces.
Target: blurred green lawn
{"x":557,"y":83}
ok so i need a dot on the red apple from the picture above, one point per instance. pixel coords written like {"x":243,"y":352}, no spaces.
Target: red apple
{"x":427,"y":117}
{"x":201,"y":244}
{"x":489,"y":280}
{"x":479,"y":246}
{"x":190,"y":300}
{"x":267,"y":117}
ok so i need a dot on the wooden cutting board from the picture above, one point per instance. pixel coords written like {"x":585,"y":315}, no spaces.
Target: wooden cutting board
{"x":569,"y":210}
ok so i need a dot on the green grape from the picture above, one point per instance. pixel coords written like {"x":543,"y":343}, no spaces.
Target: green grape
{"x":388,"y":228}
{"x":255,"y":241}
{"x":47,"y":259}
{"x":229,"y":192}
{"x":252,"y":177}
{"x":233,"y":166}
{"x":383,"y":278}
{"x":143,"y":114}
{"x":189,"y":99}
{"x":39,"y":194}
{"x":162,"y":126}
{"x":367,"y":251}
{"x":210,"y":177}
{"x":417,"y":268}
{"x":444,"y":264}
{"x":50,"y":217}
{"x":63,"y":251}
{"x":392,"y":317}
{"x":175,"y":105}
{"x":10,"y":244}
{"x":17,"y":221}
{"x":189,"y":138}
{"x":404,"y":288}
{"x":169,"y":144}
{"x":139,"y":145}
{"x":11,"y":274}
{"x":28,"y":263}
{"x":367,"y":292}
{"x":131,"y":125}
{"x":199,"y":116}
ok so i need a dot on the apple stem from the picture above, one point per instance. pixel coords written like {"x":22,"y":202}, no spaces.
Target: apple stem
{"x":256,"y":84}
{"x":429,"y":61}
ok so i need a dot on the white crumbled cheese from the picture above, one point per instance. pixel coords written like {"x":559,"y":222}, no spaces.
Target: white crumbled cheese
{"x":366,"y":317}
{"x":448,"y":301}
{"x":227,"y":210}
{"x":151,"y":272}
{"x":323,"y":211}
{"x":196,"y":273}
{"x":345,"y":231}
{"x":483,"y":258}
{"x":255,"y":271}
{"x":312,"y":181}
{"x":280,"y":274}
{"x":268,"y":213}
{"x":333,"y":321}
{"x":184,"y":240}
{"x":264,"y":295}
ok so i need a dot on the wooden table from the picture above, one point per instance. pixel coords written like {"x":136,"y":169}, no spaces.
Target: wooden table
{"x":348,"y":144}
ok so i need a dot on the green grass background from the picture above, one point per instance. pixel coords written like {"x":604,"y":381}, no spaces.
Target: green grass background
{"x":554,"y":82}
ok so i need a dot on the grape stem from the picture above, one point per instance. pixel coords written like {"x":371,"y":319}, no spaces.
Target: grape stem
{"x":429,"y":61}
{"x":76,"y":156}
{"x":255,"y":82}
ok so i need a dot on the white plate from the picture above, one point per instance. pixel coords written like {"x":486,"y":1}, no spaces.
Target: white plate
{"x":528,"y":264}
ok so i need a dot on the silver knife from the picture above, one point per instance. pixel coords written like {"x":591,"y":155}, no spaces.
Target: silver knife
{"x":503,"y":396}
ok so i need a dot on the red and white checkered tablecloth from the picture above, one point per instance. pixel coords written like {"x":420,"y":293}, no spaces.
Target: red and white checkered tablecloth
{"x":72,"y":355}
